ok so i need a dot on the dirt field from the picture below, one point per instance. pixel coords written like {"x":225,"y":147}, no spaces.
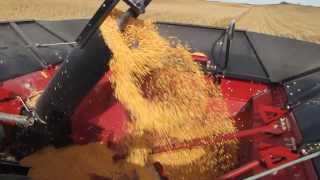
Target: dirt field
{"x":300,"y":22}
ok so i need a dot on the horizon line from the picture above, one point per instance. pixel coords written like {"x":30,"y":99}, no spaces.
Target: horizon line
{"x":271,"y":3}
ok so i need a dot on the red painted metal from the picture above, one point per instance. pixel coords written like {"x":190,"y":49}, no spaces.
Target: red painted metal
{"x":270,"y":113}
{"x":275,"y":156}
{"x":253,"y":105}
{"x":243,"y":169}
{"x":23,"y":87}
{"x":256,"y":108}
{"x":200,"y":58}
{"x":272,"y":128}
{"x":237,"y":93}
{"x":99,"y":117}
{"x":6,"y":94}
{"x":10,"y":104}
{"x":269,"y":158}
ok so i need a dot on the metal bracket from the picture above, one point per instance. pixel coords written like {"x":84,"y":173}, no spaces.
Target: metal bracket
{"x":310,"y":148}
{"x":221,"y":48}
{"x":33,"y":115}
{"x":284,"y":166}
{"x":138,"y":6}
{"x":270,"y":113}
{"x":15,"y":120}
{"x":269,"y":158}
{"x":274,"y":128}
{"x":275,"y":156}
{"x":95,"y":22}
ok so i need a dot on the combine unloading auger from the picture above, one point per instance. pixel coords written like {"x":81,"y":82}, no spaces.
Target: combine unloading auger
{"x":270,"y":84}
{"x":78,"y":73}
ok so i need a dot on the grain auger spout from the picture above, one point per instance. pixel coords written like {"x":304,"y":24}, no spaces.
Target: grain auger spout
{"x":79,"y":72}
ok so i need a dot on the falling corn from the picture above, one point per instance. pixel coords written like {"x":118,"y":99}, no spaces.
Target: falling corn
{"x":167,"y":96}
{"x":168,"y":99}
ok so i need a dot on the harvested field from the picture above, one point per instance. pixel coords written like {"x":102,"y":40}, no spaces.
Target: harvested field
{"x":294,"y":21}
{"x":196,"y":12}
{"x":47,"y":9}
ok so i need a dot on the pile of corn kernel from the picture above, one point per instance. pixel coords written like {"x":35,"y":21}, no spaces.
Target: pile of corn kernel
{"x":167,"y":96}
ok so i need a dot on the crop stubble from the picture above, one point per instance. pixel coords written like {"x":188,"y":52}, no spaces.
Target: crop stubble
{"x":293,"y":21}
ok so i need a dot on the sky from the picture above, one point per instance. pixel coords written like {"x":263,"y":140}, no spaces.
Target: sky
{"x":305,"y":2}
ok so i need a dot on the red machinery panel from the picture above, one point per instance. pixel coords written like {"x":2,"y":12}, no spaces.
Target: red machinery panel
{"x":268,"y":134}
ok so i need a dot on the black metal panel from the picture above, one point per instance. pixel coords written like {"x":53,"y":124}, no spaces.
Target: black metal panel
{"x":307,"y":116}
{"x":67,"y":29}
{"x":17,"y":29}
{"x":13,"y":177}
{"x":301,"y":89}
{"x":19,"y":54}
{"x":198,"y":38}
{"x":16,"y":61}
{"x":54,"y":54}
{"x":8,"y":167}
{"x":285,"y":58}
{"x":261,"y":57}
{"x":37,"y":34}
{"x":8,"y":37}
{"x":243,"y":62}
{"x":256,"y":56}
{"x":95,"y":22}
{"x":40,"y":35}
{"x":304,"y":98}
